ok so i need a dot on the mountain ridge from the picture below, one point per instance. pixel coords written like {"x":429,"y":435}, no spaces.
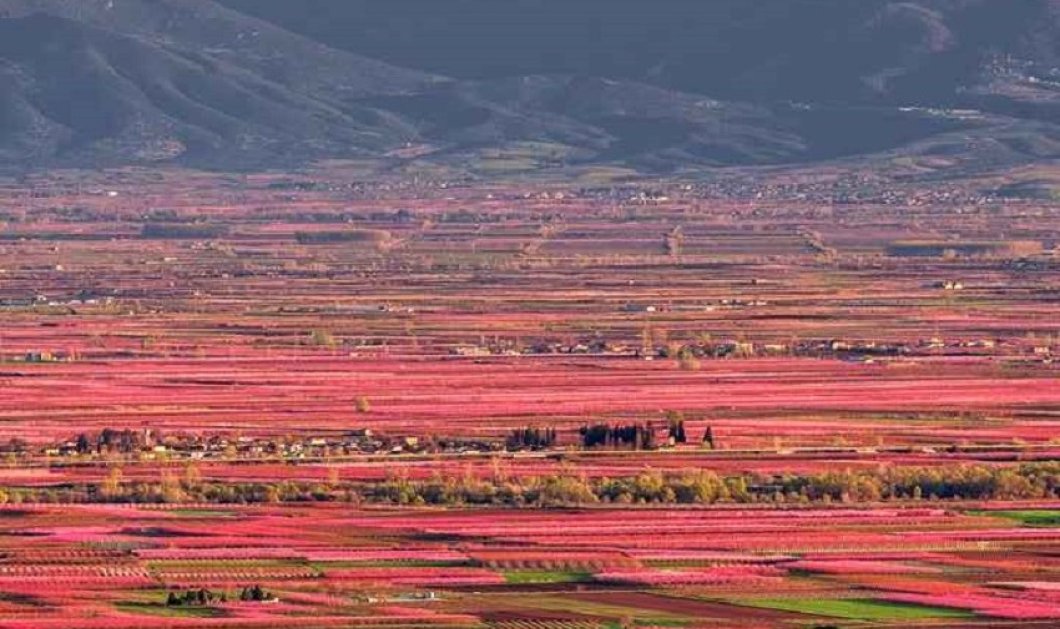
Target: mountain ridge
{"x":233,"y":84}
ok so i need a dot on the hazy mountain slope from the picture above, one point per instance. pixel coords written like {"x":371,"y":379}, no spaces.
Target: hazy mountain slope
{"x":765,"y":50}
{"x":158,"y":82}
{"x":656,"y":85}
{"x":213,"y":31}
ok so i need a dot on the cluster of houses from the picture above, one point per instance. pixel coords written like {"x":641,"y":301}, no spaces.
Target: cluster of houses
{"x":721,"y":304}
{"x":855,"y":350}
{"x":82,"y":298}
{"x":45,"y":357}
{"x":149,"y":444}
{"x":593,"y":346}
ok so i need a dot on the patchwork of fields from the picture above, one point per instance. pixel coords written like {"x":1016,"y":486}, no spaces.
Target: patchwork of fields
{"x":335,"y":565}
{"x":260,"y":402}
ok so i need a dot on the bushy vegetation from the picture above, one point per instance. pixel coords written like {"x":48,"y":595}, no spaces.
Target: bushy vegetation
{"x":182,"y":230}
{"x":965,"y":482}
{"x":374,"y":237}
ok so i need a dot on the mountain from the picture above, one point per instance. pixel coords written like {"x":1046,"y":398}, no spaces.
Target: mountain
{"x":92,"y":82}
{"x":654,"y":86}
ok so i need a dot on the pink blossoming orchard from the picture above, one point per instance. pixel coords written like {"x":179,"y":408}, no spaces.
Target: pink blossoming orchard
{"x":244,"y":403}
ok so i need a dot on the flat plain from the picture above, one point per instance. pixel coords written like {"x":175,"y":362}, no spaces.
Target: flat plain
{"x":788,"y":400}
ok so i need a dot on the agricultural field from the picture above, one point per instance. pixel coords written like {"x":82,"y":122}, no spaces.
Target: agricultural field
{"x":302,"y":400}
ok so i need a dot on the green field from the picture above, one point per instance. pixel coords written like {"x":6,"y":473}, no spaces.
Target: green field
{"x":562,"y":603}
{"x":1032,"y":517}
{"x":155,"y":609}
{"x":857,"y":609}
{"x":524,"y":577}
{"x":203,"y":513}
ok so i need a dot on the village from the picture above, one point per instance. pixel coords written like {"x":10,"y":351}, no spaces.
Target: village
{"x":148,"y":444}
{"x":1041,"y":350}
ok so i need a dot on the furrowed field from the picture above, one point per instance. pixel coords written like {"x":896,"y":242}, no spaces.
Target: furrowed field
{"x":280,"y":401}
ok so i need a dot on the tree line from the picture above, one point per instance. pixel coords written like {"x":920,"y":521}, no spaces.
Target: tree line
{"x":697,"y":486}
{"x":531,"y":437}
{"x":203,"y":597}
{"x":635,"y":436}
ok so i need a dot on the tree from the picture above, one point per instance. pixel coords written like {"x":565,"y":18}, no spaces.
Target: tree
{"x":674,"y":240}
{"x":84,"y":446}
{"x":647,"y":437}
{"x":687,"y":360}
{"x":111,"y":487}
{"x":737,"y":489}
{"x":565,"y":490}
{"x":254,"y":593}
{"x":531,"y":437}
{"x":676,"y":427}
{"x":699,"y":487}
{"x":650,"y":486}
{"x":192,"y":476}
{"x":708,"y":437}
{"x":322,"y":338}
{"x":170,"y":489}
